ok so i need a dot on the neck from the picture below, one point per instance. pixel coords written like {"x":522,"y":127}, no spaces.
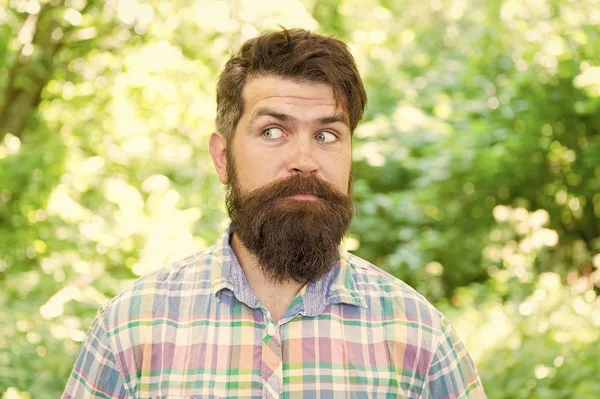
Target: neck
{"x":276,"y":297}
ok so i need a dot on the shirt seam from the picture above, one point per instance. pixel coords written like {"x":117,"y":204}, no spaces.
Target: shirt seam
{"x":103,"y":325}
{"x":435,"y":347}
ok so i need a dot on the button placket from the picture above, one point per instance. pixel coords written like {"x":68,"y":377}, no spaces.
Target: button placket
{"x":272,"y":366}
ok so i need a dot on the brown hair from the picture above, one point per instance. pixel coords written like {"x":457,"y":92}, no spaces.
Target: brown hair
{"x":296,"y":54}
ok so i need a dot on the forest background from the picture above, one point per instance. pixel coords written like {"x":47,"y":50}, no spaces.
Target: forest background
{"x":477,"y":167}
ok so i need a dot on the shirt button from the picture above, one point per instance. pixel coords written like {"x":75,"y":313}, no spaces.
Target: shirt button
{"x":271,"y":329}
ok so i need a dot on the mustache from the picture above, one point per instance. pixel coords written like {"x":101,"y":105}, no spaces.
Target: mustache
{"x":298,"y":185}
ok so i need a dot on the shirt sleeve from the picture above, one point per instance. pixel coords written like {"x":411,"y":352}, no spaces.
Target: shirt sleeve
{"x":452,"y":374}
{"x":96,"y":373}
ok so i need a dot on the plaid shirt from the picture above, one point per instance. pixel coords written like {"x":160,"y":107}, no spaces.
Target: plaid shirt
{"x":196,"y":330}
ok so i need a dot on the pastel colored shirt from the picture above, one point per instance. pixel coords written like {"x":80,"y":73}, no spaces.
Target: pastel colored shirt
{"x":196,"y":330}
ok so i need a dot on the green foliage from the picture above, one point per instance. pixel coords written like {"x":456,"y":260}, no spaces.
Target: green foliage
{"x":544,"y":346}
{"x":481,"y":118}
{"x":477,"y":167}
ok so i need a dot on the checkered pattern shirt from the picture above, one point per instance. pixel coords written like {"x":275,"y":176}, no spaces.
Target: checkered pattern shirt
{"x":196,"y":330}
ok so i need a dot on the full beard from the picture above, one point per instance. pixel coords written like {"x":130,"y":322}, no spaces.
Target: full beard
{"x":292,"y":239}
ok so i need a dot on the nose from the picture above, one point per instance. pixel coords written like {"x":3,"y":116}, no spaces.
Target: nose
{"x":302,"y":159}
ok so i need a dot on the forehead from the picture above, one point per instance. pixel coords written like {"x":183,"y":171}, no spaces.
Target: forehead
{"x":273,"y":91}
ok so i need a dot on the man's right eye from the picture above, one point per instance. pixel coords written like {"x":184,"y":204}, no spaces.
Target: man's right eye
{"x":272,"y":133}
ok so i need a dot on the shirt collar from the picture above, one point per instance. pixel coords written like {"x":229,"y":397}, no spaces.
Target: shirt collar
{"x":336,"y":286}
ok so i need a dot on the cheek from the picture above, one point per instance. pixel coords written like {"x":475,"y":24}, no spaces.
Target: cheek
{"x":255,"y":171}
{"x":345,"y":181}
{"x":337,"y":171}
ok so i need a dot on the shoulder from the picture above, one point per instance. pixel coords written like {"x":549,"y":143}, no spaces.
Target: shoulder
{"x":387,"y":294}
{"x":423,"y":332}
{"x":145,"y":297}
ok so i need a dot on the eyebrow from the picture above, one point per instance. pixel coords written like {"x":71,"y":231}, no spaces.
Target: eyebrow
{"x":336,"y":118}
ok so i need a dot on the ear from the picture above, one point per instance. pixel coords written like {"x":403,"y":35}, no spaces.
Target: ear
{"x":217,"y":145}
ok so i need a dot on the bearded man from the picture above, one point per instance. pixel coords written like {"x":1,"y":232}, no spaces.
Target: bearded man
{"x":277,"y":308}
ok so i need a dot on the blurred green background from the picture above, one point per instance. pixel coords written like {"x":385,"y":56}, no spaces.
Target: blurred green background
{"x":477,"y":167}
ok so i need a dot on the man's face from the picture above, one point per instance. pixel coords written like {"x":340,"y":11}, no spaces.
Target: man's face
{"x":288,"y":175}
{"x":290,"y":128}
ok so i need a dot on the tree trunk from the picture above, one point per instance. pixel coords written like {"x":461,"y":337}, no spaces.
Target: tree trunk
{"x":30,"y":74}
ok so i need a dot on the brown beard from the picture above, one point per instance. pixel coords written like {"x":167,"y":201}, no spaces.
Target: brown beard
{"x":291,"y":239}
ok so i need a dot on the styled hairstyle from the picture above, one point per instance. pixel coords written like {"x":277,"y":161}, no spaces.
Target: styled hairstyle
{"x":296,"y":54}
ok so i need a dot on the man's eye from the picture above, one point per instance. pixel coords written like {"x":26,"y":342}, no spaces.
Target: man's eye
{"x":272,"y":133}
{"x":326,"y":137}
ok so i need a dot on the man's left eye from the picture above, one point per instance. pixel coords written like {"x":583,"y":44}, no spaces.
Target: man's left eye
{"x":326,"y":137}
